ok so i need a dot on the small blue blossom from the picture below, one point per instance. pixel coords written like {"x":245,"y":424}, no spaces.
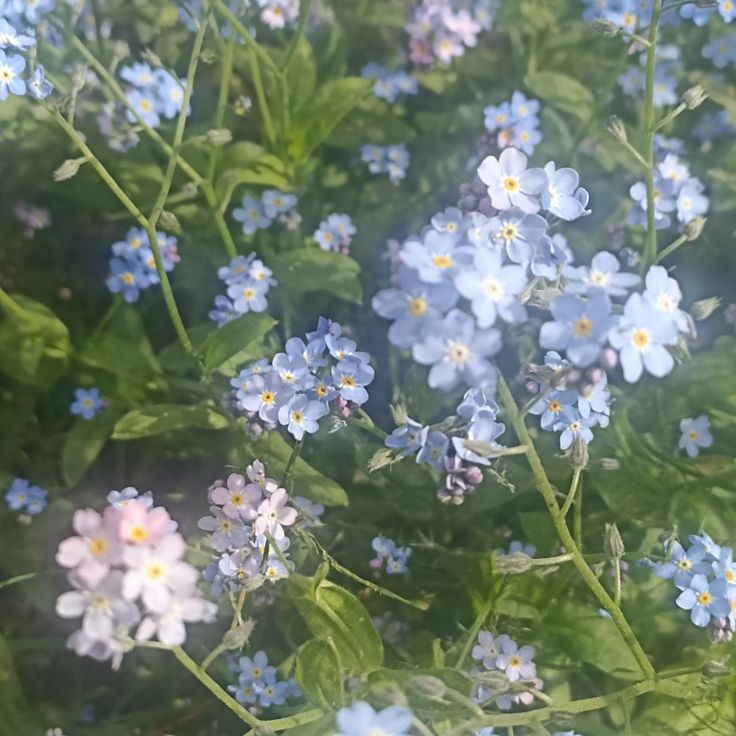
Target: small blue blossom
{"x":727,"y":10}
{"x":408,"y":439}
{"x":704,"y":599}
{"x":275,"y":202}
{"x":510,"y":183}
{"x":301,"y":415}
{"x":604,"y":273}
{"x":22,"y":496}
{"x":721,"y":51}
{"x":249,"y":296}
{"x":10,"y":37}
{"x":695,"y":434}
{"x":388,"y":554}
{"x":224,"y":311}
{"x":436,"y":257}
{"x":127,"y":278}
{"x":663,"y":293}
{"x":562,"y":196}
{"x":360,"y":719}
{"x":252,"y":215}
{"x":434,"y":450}
{"x":38,"y":85}
{"x":573,"y":426}
{"x":265,"y":394}
{"x":390,"y":84}
{"x":335,"y":233}
{"x":691,"y":202}
{"x":391,"y":160}
{"x":350,"y":377}
{"x":87,"y":403}
{"x":552,"y":406}
{"x":519,"y":233}
{"x":579,"y":326}
{"x":699,"y":16}
{"x":682,"y":565}
{"x":11,"y":66}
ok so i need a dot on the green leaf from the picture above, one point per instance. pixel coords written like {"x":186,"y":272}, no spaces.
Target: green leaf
{"x":123,"y":348}
{"x":34,"y":343}
{"x":318,"y":118}
{"x":301,"y":76}
{"x":84,"y":443}
{"x":233,"y":337}
{"x":15,"y":716}
{"x":316,"y":728}
{"x":167,"y":417}
{"x":314,"y":269}
{"x":274,"y":451}
{"x":331,"y":612}
{"x":319,"y":674}
{"x":562,"y":91}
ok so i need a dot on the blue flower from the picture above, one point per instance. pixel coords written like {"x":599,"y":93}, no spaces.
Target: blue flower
{"x":550,"y":255}
{"x":265,"y":394}
{"x":22,"y":496}
{"x":33,"y":11}
{"x":525,"y":136}
{"x":727,"y":9}
{"x":519,"y":233}
{"x":292,"y":370}
{"x":458,"y":352}
{"x":664,"y":201}
{"x":271,"y":692}
{"x":415,"y":306}
{"x":436,"y":257}
{"x":681,"y":565}
{"x":251,"y":215}
{"x":573,"y":426}
{"x":38,"y":85}
{"x":711,"y":550}
{"x":301,"y":415}
{"x":342,"y":347}
{"x":691,"y":202}
{"x":391,"y":160}
{"x":249,"y":296}
{"x":11,"y":65}
{"x":641,"y":337}
{"x":390,"y":84}
{"x":275,"y":202}
{"x":725,"y":568}
{"x":721,"y":51}
{"x":594,"y":399}
{"x":408,"y":439}
{"x":562,"y":197}
{"x":87,"y":403}
{"x":579,"y":326}
{"x":144,"y":103}
{"x":452,"y":220}
{"x":551,"y":407}
{"x":510,"y":183}
{"x":350,"y":377}
{"x":434,"y":450}
{"x":663,"y":293}
{"x":497,"y":116}
{"x":360,"y":719}
{"x":10,"y":37}
{"x":604,"y":273}
{"x":695,"y":434}
{"x":493,"y":289}
{"x":476,"y":399}
{"x":699,"y":16}
{"x":127,"y":278}
{"x":704,"y":599}
{"x":523,"y":108}
{"x":482,"y":428}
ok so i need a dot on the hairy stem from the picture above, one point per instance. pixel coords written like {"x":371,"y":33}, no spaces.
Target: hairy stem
{"x":545,"y":488}
{"x":573,"y":490}
{"x":225,"y":77}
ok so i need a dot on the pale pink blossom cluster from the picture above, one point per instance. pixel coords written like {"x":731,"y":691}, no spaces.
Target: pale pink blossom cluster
{"x":278,"y":13}
{"x":127,"y":569}
{"x":442,"y":29}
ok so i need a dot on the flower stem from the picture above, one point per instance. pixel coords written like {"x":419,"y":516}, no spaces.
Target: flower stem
{"x":545,"y":488}
{"x":225,"y":77}
{"x":650,"y":247}
{"x":573,"y":490}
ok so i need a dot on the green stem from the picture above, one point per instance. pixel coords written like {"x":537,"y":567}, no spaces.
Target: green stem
{"x":671,"y":248}
{"x":650,"y":247}
{"x":10,"y":304}
{"x":212,"y":656}
{"x":306,"y":7}
{"x":550,"y":561}
{"x":291,"y":464}
{"x":472,"y":633}
{"x":617,"y":581}
{"x":573,"y":490}
{"x":577,"y":519}
{"x":255,"y":71}
{"x":545,"y":488}
{"x":226,"y":76}
{"x":670,"y":116}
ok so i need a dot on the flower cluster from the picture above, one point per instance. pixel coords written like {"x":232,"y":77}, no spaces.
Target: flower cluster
{"x":390,"y":84}
{"x":127,"y":569}
{"x":258,"y":684}
{"x":278,"y":13}
{"x":25,"y":498}
{"x":633,"y":80}
{"x":335,"y":233}
{"x":705,"y":575}
{"x":248,"y":282}
{"x":389,"y":556}
{"x":152,"y":93}
{"x":361,"y":719}
{"x":677,"y":194}
{"x":391,"y":160}
{"x":514,"y":123}
{"x":502,"y":654}
{"x":16,"y":26}
{"x":249,"y":515}
{"x":438,"y":31}
{"x":87,"y":403}
{"x":695,"y":434}
{"x":295,"y":390}
{"x":133,"y":266}
{"x":257,"y":214}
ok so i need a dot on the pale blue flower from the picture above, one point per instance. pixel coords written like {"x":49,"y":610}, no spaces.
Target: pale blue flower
{"x":573,"y":426}
{"x":87,"y":403}
{"x":704,"y":599}
{"x":562,"y":196}
{"x":301,"y":415}
{"x":275,"y":202}
{"x":551,"y":407}
{"x":408,"y":439}
{"x":436,"y":257}
{"x":10,"y":37}
{"x":663,"y":293}
{"x":510,"y":183}
{"x":38,"y":85}
{"x":251,"y":215}
{"x":266,"y":394}
{"x":360,"y":719}
{"x":11,"y":66}
{"x":695,"y":434}
{"x":727,"y":9}
{"x":350,"y":377}
{"x":691,"y":202}
{"x":519,"y":233}
{"x":681,"y":565}
{"x":249,"y":296}
{"x":604,"y":273}
{"x":434,"y":450}
{"x":721,"y":51}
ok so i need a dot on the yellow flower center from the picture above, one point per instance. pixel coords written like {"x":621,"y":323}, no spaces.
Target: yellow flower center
{"x":640,"y":338}
{"x":583,"y":327}
{"x":297,"y":416}
{"x":249,"y":293}
{"x":236,"y":499}
{"x":684,"y":564}
{"x":511,"y":184}
{"x":138,"y":533}
{"x":127,"y":278}
{"x":598,"y":279}
{"x":417,"y":306}
{"x":493,"y":288}
{"x":268,"y":397}
{"x":347,"y":382}
{"x":154,"y":571}
{"x":693,"y":434}
{"x":458,"y":353}
{"x":705,"y":598}
{"x":515,"y":661}
{"x":509,"y":232}
{"x":730,"y":576}
{"x":555,"y":406}
{"x":665,"y":303}
{"x":135,"y":243}
{"x":442,"y":261}
{"x":97,"y":546}
{"x":321,"y":390}
{"x":146,"y":105}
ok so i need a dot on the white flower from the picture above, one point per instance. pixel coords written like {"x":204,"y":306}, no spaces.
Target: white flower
{"x":168,"y":625}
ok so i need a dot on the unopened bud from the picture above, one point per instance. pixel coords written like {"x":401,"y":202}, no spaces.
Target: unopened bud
{"x":169,"y":221}
{"x":68,"y":169}
{"x":473,"y":475}
{"x":427,"y":686}
{"x":236,"y":638}
{"x":694,"y":97}
{"x":613,"y":545}
{"x":694,"y":228}
{"x":578,"y":453}
{"x":208,"y":56}
{"x":513,"y":564}
{"x":151,"y":58}
{"x":399,"y":414}
{"x":704,"y":308}
{"x":617,"y":129}
{"x":120,"y":50}
{"x":610,"y":463}
{"x":714,"y":669}
{"x":497,"y":682}
{"x":219,"y":136}
{"x":606,"y":27}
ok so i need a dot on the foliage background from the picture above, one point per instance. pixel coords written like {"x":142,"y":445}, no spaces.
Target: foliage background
{"x":540,"y":46}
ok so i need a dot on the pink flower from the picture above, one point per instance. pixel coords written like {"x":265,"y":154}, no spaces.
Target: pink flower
{"x":141,"y":525}
{"x":95,"y":549}
{"x":274,"y":515}
{"x":169,"y":627}
{"x":238,"y":498}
